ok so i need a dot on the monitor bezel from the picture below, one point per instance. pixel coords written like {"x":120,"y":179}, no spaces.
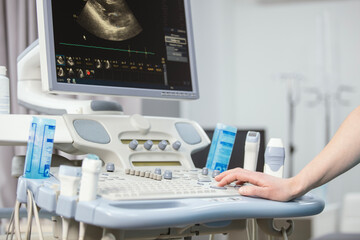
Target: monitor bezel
{"x":49,"y":75}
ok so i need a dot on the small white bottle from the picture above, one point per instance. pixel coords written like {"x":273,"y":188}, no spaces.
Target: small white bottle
{"x":4,"y":92}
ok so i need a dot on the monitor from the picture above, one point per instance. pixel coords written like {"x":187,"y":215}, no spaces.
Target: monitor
{"x":118,"y":47}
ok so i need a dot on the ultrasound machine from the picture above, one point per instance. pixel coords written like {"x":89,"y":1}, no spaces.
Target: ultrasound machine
{"x":137,"y":179}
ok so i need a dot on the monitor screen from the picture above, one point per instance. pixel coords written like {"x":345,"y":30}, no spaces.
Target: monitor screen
{"x":118,"y":47}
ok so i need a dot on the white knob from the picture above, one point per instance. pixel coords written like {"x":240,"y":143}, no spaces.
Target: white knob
{"x":140,"y":123}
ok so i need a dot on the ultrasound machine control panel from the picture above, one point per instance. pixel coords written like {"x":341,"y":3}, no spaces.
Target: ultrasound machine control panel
{"x":148,"y":186}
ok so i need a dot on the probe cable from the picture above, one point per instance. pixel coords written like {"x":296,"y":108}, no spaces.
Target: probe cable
{"x":36,"y":214}
{"x":29,"y":213}
{"x":17,"y":220}
{"x":12,"y":226}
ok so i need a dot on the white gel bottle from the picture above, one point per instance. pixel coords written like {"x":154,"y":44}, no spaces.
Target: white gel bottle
{"x":4,"y":92}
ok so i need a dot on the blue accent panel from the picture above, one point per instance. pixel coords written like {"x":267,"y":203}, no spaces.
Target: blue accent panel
{"x":221,"y":147}
{"x":188,"y":133}
{"x":91,"y":131}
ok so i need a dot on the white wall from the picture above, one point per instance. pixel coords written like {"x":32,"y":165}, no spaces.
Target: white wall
{"x":243,"y":45}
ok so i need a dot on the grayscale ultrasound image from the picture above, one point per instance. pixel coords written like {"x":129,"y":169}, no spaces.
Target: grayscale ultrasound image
{"x":109,"y":19}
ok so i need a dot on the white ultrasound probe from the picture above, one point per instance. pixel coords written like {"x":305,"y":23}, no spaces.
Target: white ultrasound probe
{"x":69,"y":180}
{"x":252,"y":144}
{"x":69,"y":183}
{"x":274,"y":158}
{"x":91,"y":167}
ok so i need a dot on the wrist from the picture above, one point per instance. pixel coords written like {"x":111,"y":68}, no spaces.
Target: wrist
{"x":297,"y":186}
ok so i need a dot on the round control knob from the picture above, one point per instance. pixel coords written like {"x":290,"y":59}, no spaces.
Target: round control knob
{"x":215,"y":173}
{"x":162,"y":145}
{"x":205,"y":171}
{"x":148,"y":144}
{"x":176,"y":145}
{"x":158,"y":171}
{"x":168,"y":174}
{"x":133,"y":144}
{"x":110,"y":167}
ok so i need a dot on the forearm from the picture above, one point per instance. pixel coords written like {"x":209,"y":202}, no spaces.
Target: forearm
{"x":340,"y":154}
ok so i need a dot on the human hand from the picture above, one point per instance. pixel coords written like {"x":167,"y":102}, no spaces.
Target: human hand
{"x":263,"y":185}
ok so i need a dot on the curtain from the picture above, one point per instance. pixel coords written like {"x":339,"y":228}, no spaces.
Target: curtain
{"x":18,"y":29}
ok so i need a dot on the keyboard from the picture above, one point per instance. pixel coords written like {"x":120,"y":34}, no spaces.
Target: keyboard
{"x":142,"y":185}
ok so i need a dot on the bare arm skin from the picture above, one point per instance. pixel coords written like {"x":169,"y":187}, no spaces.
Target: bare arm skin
{"x":339,"y":155}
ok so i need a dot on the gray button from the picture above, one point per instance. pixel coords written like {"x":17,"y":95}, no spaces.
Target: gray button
{"x":168,"y":175}
{"x":148,"y":144}
{"x":110,"y":167}
{"x":162,"y":145}
{"x":133,"y":144}
{"x":158,"y":171}
{"x":215,"y":173}
{"x":205,"y":171}
{"x":204,"y":179}
{"x":217,"y":187}
{"x":176,"y":145}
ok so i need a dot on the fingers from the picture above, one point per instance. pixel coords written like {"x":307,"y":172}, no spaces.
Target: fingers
{"x":261,"y":185}
{"x":223,"y":174}
{"x":253,"y":191}
{"x":228,"y":176}
{"x":239,"y":175}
